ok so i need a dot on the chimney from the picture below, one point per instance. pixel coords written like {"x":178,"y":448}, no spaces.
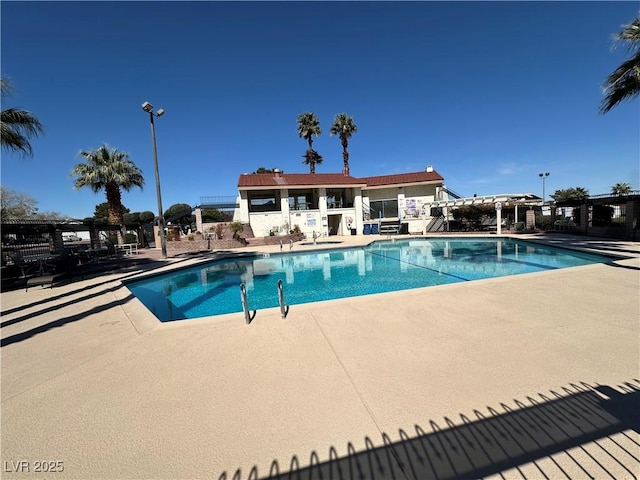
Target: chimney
{"x":277,"y":173}
{"x":429,"y":169}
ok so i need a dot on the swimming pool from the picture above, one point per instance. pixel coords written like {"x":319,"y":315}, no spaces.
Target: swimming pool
{"x":383,"y":266}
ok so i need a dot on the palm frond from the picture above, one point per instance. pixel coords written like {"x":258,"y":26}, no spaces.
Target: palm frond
{"x":6,"y":87}
{"x":308,"y":125}
{"x":16,"y":127}
{"x":624,"y":83}
{"x":107,"y":169}
{"x":629,"y":35}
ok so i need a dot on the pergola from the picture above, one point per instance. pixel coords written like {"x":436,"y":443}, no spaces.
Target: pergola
{"x":499,"y":200}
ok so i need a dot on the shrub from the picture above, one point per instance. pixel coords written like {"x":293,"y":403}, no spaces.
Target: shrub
{"x":544,"y":222}
{"x":236,"y":228}
{"x":191,"y":237}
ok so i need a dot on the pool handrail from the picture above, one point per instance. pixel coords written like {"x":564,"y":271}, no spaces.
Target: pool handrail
{"x":245,"y":304}
{"x":284,"y":309}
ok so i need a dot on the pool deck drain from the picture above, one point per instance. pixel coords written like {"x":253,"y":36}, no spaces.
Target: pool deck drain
{"x":90,"y":380}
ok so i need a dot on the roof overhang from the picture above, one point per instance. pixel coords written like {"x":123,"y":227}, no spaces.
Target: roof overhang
{"x":302,"y":187}
{"x":397,"y":185}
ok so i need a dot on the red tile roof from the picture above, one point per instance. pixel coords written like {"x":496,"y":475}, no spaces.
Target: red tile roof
{"x":296,"y":179}
{"x":247,"y":180}
{"x":403,"y":178}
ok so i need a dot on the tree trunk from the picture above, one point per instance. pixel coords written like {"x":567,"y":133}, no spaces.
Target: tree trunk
{"x":114,"y":200}
{"x":345,"y":158}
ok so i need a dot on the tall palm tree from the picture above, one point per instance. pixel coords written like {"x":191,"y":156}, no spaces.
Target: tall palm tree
{"x":624,"y":82}
{"x":343,"y":125}
{"x":311,"y":158}
{"x":581,"y":193}
{"x":308,"y":126}
{"x":110,"y":170}
{"x":17,"y":125}
{"x":621,"y":189}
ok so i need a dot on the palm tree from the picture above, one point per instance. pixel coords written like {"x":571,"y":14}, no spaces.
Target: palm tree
{"x":581,"y":193}
{"x":624,"y":82}
{"x":308,"y":126}
{"x":311,"y":158}
{"x":621,"y":189}
{"x":343,"y":125}
{"x":110,"y":170}
{"x":16,"y":125}
{"x":578,"y":193}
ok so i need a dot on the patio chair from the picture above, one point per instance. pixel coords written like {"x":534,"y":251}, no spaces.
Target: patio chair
{"x":518,"y":227}
{"x":25,"y":267}
{"x":64,"y":267}
{"x":565,"y":224}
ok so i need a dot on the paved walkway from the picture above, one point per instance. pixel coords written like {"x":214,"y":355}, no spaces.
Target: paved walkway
{"x":530,"y":376}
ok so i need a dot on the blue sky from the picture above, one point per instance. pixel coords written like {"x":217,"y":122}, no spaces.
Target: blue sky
{"x":488,"y":93}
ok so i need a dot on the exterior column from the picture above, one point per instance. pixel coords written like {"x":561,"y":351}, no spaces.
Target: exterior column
{"x":401,"y":204}
{"x":584,"y":217}
{"x":198,"y":213}
{"x":244,"y":207}
{"x":322,"y":206}
{"x":357,"y":203}
{"x":284,"y":208}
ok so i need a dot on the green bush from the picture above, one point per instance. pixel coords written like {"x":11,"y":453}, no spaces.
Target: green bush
{"x":544,"y":222}
{"x":236,"y":228}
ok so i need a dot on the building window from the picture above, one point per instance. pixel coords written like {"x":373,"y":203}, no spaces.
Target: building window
{"x":384,"y":209}
{"x":264,"y":202}
{"x":302,"y":200}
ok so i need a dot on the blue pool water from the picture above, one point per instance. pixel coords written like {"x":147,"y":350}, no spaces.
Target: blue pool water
{"x":214,"y":288}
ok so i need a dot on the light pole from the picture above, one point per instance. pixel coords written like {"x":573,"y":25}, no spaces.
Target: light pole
{"x":147,"y":107}
{"x":543,"y":176}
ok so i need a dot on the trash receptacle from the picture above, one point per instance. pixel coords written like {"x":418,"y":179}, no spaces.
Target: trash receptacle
{"x":367,"y":229}
{"x":374,"y":229}
{"x":353,"y":231}
{"x":404,"y":228}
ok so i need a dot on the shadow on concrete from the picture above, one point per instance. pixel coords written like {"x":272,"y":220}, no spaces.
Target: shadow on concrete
{"x":96,"y":272}
{"x":594,"y":244}
{"x":629,"y":267}
{"x":54,"y":307}
{"x":126,"y":271}
{"x":18,"y":337}
{"x":483,"y":444}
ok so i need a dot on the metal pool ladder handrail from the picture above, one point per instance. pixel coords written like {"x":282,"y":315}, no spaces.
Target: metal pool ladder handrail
{"x":284,"y":309}
{"x":245,"y":304}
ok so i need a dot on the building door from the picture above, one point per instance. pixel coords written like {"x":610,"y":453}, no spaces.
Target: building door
{"x":335,"y":225}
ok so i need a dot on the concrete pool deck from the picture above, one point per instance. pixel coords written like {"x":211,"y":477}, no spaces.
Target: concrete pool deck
{"x":529,"y":376}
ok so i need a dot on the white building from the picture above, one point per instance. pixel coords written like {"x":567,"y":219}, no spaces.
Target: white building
{"x":336,"y":204}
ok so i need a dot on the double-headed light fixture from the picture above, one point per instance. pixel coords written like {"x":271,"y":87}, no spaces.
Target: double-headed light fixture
{"x":543,"y":176}
{"x":147,"y":107}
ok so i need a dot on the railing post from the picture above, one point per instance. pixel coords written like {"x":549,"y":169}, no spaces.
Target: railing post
{"x":245,"y":304}
{"x":284,"y":309}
